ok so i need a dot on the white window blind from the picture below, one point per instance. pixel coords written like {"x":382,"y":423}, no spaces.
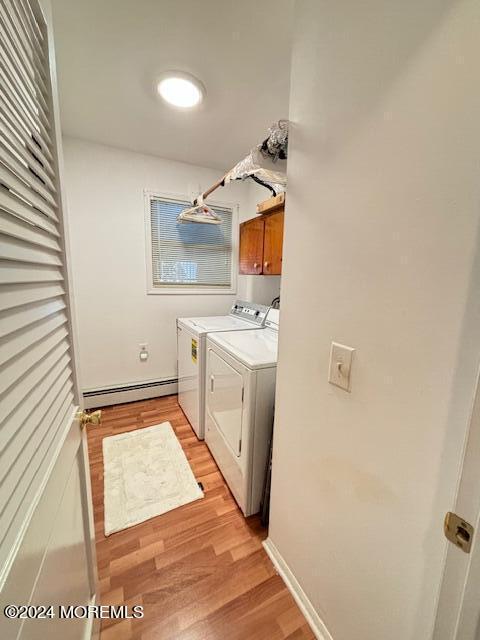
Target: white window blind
{"x":189,"y":254}
{"x":36,"y":380}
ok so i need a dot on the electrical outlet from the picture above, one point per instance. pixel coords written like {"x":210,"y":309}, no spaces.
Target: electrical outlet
{"x":143,"y":351}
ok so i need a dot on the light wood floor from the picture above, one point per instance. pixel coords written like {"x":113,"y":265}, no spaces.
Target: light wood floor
{"x":200,"y":571}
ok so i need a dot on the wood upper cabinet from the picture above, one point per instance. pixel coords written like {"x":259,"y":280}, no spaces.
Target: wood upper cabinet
{"x":272,"y":244}
{"x":251,"y":246}
{"x":261,"y":242}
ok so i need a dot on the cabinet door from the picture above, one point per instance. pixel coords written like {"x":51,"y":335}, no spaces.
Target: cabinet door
{"x":251,"y":246}
{"x":272,"y":250}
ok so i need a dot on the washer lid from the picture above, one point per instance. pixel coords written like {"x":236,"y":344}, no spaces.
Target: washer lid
{"x":256,"y":349}
{"x":205,"y":324}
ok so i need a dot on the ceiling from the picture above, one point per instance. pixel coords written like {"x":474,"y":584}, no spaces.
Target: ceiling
{"x":109,"y":53}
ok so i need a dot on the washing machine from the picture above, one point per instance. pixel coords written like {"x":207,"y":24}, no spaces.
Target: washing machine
{"x":239,"y":404}
{"x":191,"y":336}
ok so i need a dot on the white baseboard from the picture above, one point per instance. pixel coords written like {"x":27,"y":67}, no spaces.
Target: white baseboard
{"x":94,"y":398}
{"x":316,"y":623}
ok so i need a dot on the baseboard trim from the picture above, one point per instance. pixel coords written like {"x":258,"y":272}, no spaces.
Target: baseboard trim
{"x":316,"y":623}
{"x":120,"y":394}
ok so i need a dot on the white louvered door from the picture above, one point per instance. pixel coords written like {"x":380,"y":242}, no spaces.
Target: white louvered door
{"x":46,"y":526}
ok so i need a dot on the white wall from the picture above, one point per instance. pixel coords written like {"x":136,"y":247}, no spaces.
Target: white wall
{"x":106,"y":209}
{"x":381,"y":243}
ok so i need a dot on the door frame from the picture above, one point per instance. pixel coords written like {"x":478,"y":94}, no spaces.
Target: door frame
{"x":458,"y":611}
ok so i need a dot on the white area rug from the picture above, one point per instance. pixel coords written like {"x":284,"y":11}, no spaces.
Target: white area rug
{"x":146,"y":474}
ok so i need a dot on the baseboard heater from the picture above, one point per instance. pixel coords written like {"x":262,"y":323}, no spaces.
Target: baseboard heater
{"x":129,"y":393}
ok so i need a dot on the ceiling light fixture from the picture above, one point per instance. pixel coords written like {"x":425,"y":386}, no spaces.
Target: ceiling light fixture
{"x":180,"y":89}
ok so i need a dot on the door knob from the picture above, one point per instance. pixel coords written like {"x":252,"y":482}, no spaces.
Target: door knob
{"x":89,"y":418}
{"x":458,"y":531}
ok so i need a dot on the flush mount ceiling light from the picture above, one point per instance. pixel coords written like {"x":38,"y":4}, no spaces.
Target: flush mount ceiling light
{"x":180,"y":89}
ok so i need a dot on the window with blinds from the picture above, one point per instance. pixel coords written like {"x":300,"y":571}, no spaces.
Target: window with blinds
{"x":36,"y":379}
{"x":189,"y":255}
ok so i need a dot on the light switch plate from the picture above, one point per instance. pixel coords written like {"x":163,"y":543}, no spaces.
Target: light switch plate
{"x":340,"y":369}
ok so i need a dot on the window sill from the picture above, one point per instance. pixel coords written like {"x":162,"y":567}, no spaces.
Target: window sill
{"x":180,"y":291}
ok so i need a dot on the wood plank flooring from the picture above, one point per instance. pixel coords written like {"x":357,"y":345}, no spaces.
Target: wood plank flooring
{"x":199,"y":571}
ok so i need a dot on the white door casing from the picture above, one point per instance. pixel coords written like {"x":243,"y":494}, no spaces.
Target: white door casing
{"x":47,"y":553}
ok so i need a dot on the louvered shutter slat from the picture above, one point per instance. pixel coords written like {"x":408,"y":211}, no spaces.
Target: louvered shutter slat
{"x":33,"y":52}
{"x":9,"y":180}
{"x":12,"y":272}
{"x":9,"y":140}
{"x":36,"y":371}
{"x":12,"y":203}
{"x":14,"y":226}
{"x":36,"y":43}
{"x":16,"y":295}
{"x":14,"y":369}
{"x":20,"y":251}
{"x":20,"y":100}
{"x":25,"y":130}
{"x":36,"y":31}
{"x":38,"y":403}
{"x":21,"y":69}
{"x":15,"y":164}
{"x":19,"y":317}
{"x":31,"y":380}
{"x":22,"y":129}
{"x":20,"y":65}
{"x":27,"y":337}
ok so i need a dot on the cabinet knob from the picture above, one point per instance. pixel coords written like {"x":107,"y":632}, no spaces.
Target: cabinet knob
{"x":255,"y":265}
{"x":265,"y":264}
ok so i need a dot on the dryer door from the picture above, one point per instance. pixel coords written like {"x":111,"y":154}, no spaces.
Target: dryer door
{"x":225,"y":400}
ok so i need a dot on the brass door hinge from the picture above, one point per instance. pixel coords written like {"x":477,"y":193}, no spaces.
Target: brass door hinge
{"x":89,"y":418}
{"x":458,"y":531}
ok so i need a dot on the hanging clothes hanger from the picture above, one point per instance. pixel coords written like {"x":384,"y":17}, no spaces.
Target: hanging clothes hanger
{"x":259,"y":165}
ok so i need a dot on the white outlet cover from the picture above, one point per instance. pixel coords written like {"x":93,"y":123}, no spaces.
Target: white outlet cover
{"x":340,"y":369}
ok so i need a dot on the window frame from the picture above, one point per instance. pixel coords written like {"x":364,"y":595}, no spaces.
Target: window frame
{"x":189,"y":289}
